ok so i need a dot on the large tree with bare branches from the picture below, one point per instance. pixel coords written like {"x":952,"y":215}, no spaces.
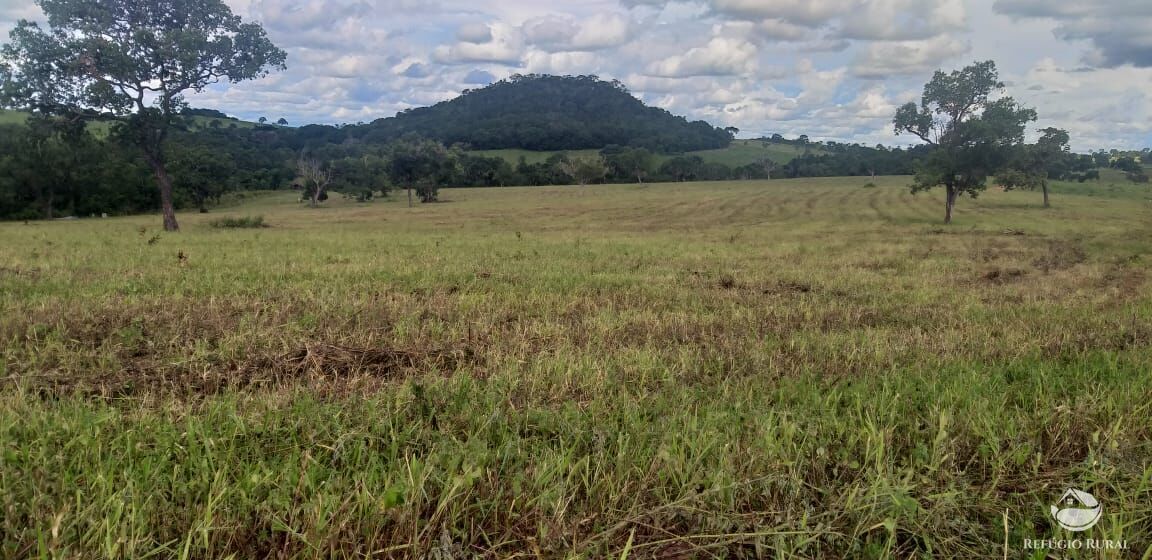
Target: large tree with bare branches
{"x":130,"y":61}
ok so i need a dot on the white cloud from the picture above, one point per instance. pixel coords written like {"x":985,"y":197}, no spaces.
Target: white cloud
{"x":474,"y":33}
{"x":722,"y":56}
{"x":565,"y":33}
{"x":827,"y":68}
{"x":503,"y":47}
{"x":885,"y":59}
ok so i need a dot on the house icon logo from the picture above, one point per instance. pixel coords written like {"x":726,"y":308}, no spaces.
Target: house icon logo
{"x":1077,"y":510}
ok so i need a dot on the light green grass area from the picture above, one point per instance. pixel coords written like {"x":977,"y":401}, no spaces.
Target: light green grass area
{"x":100,"y":129}
{"x":744,"y":152}
{"x":12,"y":117}
{"x":741,"y":152}
{"x":783,"y":369}
{"x":513,"y":156}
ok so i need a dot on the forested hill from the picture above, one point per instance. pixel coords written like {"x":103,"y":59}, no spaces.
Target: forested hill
{"x":536,"y":112}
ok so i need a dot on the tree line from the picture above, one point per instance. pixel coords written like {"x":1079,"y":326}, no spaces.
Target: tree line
{"x":54,"y":166}
{"x":127,"y":66}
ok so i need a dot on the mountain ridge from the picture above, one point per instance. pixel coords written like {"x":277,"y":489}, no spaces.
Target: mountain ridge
{"x":547,"y":112}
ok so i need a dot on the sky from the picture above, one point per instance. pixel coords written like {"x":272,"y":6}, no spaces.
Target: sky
{"x":831,"y":69}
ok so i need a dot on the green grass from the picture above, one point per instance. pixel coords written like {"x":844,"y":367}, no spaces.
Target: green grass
{"x":741,"y":152}
{"x":100,"y":129}
{"x":744,"y":152}
{"x":793,"y":368}
{"x":12,"y":117}
{"x":513,"y":156}
{"x":238,"y":222}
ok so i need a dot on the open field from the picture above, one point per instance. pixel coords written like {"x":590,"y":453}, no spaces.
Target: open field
{"x":741,"y":152}
{"x":784,"y":369}
{"x":100,"y":128}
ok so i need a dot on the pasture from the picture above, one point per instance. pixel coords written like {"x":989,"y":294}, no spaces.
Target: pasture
{"x":741,"y":152}
{"x":783,"y":369}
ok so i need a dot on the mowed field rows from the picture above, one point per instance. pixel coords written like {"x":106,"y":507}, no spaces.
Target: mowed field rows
{"x":785,"y":369}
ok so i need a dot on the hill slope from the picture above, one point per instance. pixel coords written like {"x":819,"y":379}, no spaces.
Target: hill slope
{"x":549,"y":113}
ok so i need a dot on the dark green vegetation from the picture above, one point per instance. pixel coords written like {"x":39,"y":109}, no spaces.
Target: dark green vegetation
{"x":238,"y":222}
{"x":107,"y":175}
{"x":130,"y":62}
{"x":795,"y":368}
{"x":537,"y":112}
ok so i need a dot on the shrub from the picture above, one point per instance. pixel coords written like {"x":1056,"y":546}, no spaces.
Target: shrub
{"x":239,"y":222}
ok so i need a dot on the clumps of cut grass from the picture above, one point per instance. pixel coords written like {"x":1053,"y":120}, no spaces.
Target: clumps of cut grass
{"x":233,"y":222}
{"x":869,"y":185}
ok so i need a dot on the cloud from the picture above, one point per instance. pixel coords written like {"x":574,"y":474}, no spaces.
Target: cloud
{"x":904,"y":20}
{"x":481,"y":77}
{"x":885,"y":59}
{"x":831,"y":69}
{"x":1119,"y":30}
{"x":503,"y":47}
{"x":556,"y":33}
{"x":474,"y":33}
{"x":722,"y":56}
{"x":416,"y":70}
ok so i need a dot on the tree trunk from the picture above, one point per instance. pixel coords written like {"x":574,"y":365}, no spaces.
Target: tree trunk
{"x":409,"y":196}
{"x":949,"y":203}
{"x":48,"y":205}
{"x":165,"y":184}
{"x":1044,"y":187}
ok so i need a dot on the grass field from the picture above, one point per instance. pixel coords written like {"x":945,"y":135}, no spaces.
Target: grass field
{"x":100,"y":128}
{"x":741,"y":152}
{"x":784,"y":369}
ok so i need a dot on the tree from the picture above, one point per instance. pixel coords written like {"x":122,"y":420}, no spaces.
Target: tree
{"x":204,"y":173}
{"x":767,"y":165}
{"x":360,"y":177}
{"x":47,"y":162}
{"x":262,"y":120}
{"x":316,"y":176}
{"x":631,"y":162}
{"x":683,"y":168}
{"x":282,"y":121}
{"x":970,"y":134}
{"x":1033,"y":164}
{"x":132,"y":61}
{"x":584,"y":169}
{"x":419,"y":163}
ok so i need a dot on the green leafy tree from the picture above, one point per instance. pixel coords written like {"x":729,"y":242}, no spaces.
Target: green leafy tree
{"x":282,"y":121}
{"x":47,"y":164}
{"x":584,"y":169}
{"x":971,"y":135}
{"x":1034,"y":164}
{"x":131,"y":60}
{"x":360,"y":177}
{"x":631,"y":162}
{"x":683,"y":168}
{"x":419,"y":164}
{"x":201,"y":173}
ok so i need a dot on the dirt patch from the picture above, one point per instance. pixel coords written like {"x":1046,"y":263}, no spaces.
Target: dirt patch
{"x":19,"y":272}
{"x":1061,"y":255}
{"x":1003,"y":275}
{"x":317,"y":364}
{"x":790,"y":287}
